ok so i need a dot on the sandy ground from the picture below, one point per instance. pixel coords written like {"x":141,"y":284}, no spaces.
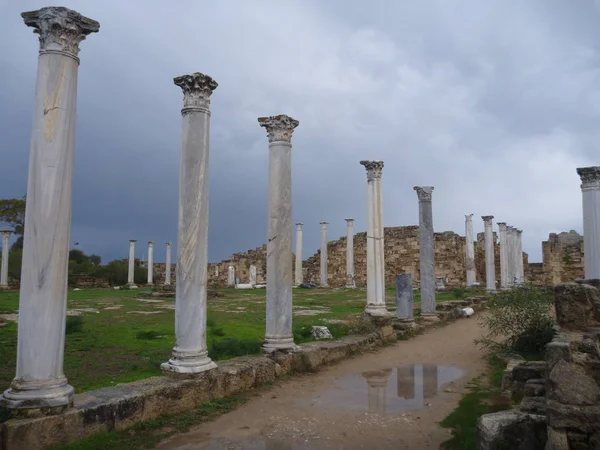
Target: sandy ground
{"x":392,"y":398}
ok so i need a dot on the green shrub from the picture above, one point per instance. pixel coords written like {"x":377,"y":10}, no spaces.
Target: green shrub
{"x":148,"y":335}
{"x":301,"y":334}
{"x":518,"y":321}
{"x":458,"y":293}
{"x":217,"y":332}
{"x":74,"y":324}
{"x":210,"y":322}
{"x":230,"y":347}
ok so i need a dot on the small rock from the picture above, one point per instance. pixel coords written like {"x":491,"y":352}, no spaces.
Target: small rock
{"x":320,"y":332}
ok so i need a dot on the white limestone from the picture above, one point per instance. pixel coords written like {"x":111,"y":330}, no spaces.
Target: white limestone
{"x":131,"y":264}
{"x":470,"y":251}
{"x":426,"y":250}
{"x":350,"y":284}
{"x":520,"y":266}
{"x":504,"y":261}
{"x":190,"y":354}
{"x":511,"y":269}
{"x":168,"y":265}
{"x":252,"y":270}
{"x":230,"y":276}
{"x":150,"y":262}
{"x":375,"y":255}
{"x":278,"y":335}
{"x":298,"y":269}
{"x":590,"y":191}
{"x":490,"y":269}
{"x":4,"y":268}
{"x":39,"y":380}
{"x":323,"y":261}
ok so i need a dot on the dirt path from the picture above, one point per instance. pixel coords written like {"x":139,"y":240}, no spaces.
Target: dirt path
{"x":392,"y":398}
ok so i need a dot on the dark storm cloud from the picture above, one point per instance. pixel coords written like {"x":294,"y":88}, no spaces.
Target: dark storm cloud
{"x":494,"y":103}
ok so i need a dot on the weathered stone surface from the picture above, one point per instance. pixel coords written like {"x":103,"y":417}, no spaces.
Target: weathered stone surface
{"x":320,"y":332}
{"x":511,"y":429}
{"x":529,"y":370}
{"x":577,"y":306}
{"x":533,"y":405}
{"x":586,"y":419}
{"x":404,"y":296}
{"x":535,"y":388}
{"x":571,"y":385}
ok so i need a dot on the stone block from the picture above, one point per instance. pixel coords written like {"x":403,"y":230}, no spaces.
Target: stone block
{"x":577,"y":306}
{"x":511,"y":429}
{"x":533,"y":405}
{"x":569,"y":384}
{"x":535,"y":388}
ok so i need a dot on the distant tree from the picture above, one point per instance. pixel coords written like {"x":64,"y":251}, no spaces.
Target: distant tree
{"x":12,"y":213}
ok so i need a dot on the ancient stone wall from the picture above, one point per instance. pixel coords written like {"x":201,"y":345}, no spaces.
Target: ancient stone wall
{"x":563,"y":257}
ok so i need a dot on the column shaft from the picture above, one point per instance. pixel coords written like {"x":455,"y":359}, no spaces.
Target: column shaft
{"x":278,"y":335}
{"x":4,"y":269}
{"x":520,"y":266}
{"x":190,"y":354}
{"x":469,"y":251}
{"x":150,"y":262}
{"x":298,"y":269}
{"x":350,"y":283}
{"x":40,"y":381}
{"x":168,"y":265}
{"x":490,"y":270}
{"x":131,"y":264}
{"x":426,"y":250}
{"x":323,"y":262}
{"x":504,"y":260}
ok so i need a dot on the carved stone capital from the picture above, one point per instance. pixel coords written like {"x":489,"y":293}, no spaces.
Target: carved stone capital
{"x":197,"y":89}
{"x":349,"y":221}
{"x":150,"y":242}
{"x":5,"y":232}
{"x":132,"y":240}
{"x":501,"y":226}
{"x":279,"y":128}
{"x":487,"y":220}
{"x":60,"y":29}
{"x":469,"y":217}
{"x":424,"y":193}
{"x":324,"y":225}
{"x":299,"y":224}
{"x":590,"y":177}
{"x":374,"y":169}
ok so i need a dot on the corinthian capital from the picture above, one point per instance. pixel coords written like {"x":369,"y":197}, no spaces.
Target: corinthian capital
{"x":60,"y":29}
{"x":469,"y":217}
{"x":424,"y":193}
{"x":590,"y":177}
{"x":279,"y":128}
{"x":501,"y":226}
{"x":487,"y":220}
{"x":374,"y":169}
{"x":197,"y":89}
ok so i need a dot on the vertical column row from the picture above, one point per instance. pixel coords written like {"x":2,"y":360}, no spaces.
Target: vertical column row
{"x":470,"y":251}
{"x":350,"y":284}
{"x":490,"y":269}
{"x":426,"y":250}
{"x":4,"y":269}
{"x":323,"y":262}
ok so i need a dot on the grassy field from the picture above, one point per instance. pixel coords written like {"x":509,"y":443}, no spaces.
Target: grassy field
{"x":117,"y":336}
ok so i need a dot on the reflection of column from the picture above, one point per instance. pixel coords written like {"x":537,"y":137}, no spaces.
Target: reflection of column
{"x":490,"y":270}
{"x":350,"y":254}
{"x":40,"y":383}
{"x":4,"y":270}
{"x":470,"y":250}
{"x":150,"y":262}
{"x":377,"y":381}
{"x":323,"y":265}
{"x":168,"y":266}
{"x":298,"y":272}
{"x":406,"y":382}
{"x":430,"y":380}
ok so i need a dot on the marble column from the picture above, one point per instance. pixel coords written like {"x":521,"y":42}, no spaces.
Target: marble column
{"x":426,"y":250}
{"x":40,"y":381}
{"x":131,"y":264}
{"x":252,"y":270}
{"x":150,"y":262}
{"x":490,"y":269}
{"x":404,"y":296}
{"x":590,"y":191}
{"x":190,"y":354}
{"x":510,"y":237}
{"x":323,"y":262}
{"x":231,"y":276}
{"x":504,"y":262}
{"x":298,"y":270}
{"x":168,"y":266}
{"x":4,"y":268}
{"x":470,"y":251}
{"x":278,"y":335}
{"x":375,"y":257}
{"x":520,"y":267}
{"x":350,"y":284}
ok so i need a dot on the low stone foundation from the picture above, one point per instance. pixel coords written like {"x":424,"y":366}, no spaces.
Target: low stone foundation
{"x":123,"y":405}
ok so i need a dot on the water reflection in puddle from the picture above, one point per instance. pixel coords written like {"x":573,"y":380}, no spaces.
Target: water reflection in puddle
{"x":404,"y":388}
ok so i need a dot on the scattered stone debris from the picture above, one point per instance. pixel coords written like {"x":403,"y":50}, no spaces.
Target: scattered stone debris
{"x":320,"y":332}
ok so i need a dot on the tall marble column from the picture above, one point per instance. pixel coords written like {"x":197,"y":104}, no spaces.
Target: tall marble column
{"x":350,"y":284}
{"x":131,"y":264}
{"x":150,"y":262}
{"x":168,"y":265}
{"x":504,"y":262}
{"x":190,"y":354}
{"x":375,"y":257}
{"x":510,"y":237}
{"x":490,"y":269}
{"x":4,"y":268}
{"x":470,"y":250}
{"x":520,"y":266}
{"x":426,"y":250}
{"x":278,"y":335}
{"x":39,"y":381}
{"x":323,"y":262}
{"x":298,"y":270}
{"x":590,"y":191}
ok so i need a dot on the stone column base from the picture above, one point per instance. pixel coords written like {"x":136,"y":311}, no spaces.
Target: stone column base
{"x":38,"y":399}
{"x":430,"y":317}
{"x":376,"y":309}
{"x":4,"y":287}
{"x":188,"y":364}
{"x":351,"y":286}
{"x":131,"y":285}
{"x":274,"y":344}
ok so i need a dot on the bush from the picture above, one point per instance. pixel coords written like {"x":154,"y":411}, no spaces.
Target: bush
{"x":74,"y":324}
{"x":458,"y":293}
{"x":217,"y":332}
{"x":518,"y":321}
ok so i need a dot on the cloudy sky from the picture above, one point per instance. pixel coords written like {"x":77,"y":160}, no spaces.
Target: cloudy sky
{"x":495,"y":103}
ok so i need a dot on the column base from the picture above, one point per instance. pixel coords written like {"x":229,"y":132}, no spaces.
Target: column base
{"x":131,"y":286}
{"x":350,"y":286}
{"x":376,"y":309}
{"x":273,"y":344}
{"x":490,"y":291}
{"x":186,"y":364}
{"x":4,"y":287}
{"x":44,"y":398}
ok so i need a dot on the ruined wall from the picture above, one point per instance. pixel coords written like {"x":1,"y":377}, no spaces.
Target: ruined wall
{"x":563,"y":257}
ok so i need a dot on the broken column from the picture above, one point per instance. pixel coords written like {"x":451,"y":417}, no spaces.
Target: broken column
{"x":298,"y":270}
{"x":278,"y":335}
{"x":252,"y":270}
{"x":490,"y":270}
{"x":504,"y":261}
{"x":168,"y":266}
{"x":470,"y":250}
{"x":131,"y":264}
{"x":426,"y":250}
{"x":323,"y":265}
{"x":190,"y":354}
{"x":150,"y":262}
{"x":375,"y":257}
{"x":40,"y":382}
{"x":404,"y":296}
{"x":350,"y":284}
{"x":4,"y":269}
{"x":231,"y":276}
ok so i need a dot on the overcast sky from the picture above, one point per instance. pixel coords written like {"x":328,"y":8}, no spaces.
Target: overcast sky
{"x":495,"y":103}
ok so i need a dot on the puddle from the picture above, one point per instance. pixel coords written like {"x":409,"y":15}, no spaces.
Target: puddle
{"x":405,"y":388}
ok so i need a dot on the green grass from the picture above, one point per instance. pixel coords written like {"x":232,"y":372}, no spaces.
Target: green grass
{"x":121,"y":345}
{"x":148,"y":434}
